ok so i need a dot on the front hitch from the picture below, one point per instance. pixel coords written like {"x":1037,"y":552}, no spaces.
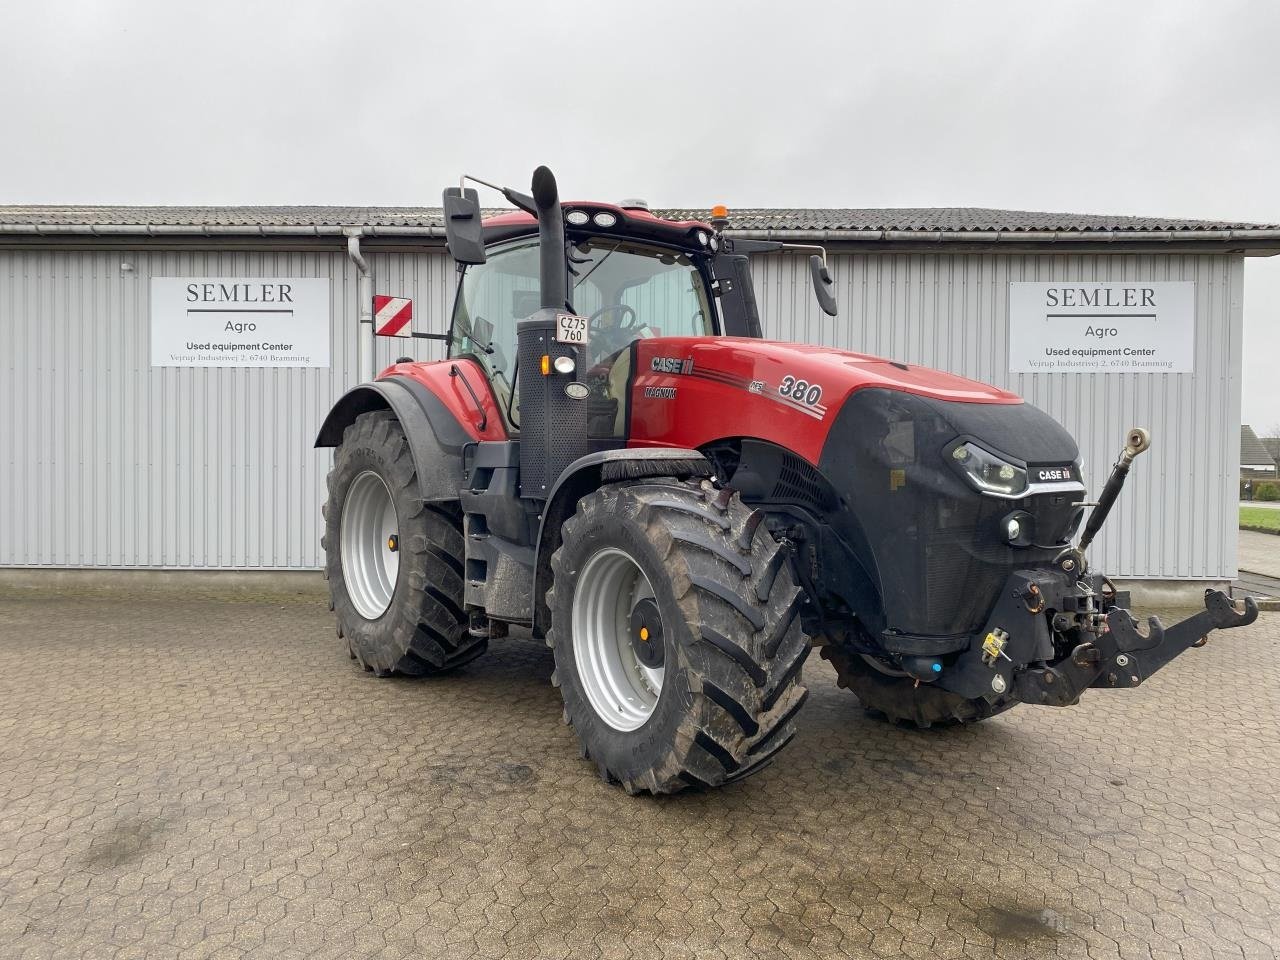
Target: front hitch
{"x":1121,"y":656}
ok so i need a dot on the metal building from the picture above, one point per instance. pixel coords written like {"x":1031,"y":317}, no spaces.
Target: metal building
{"x":111,"y":462}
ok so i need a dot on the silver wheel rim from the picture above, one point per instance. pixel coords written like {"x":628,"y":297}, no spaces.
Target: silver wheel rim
{"x":622,"y":690}
{"x":370,"y":545}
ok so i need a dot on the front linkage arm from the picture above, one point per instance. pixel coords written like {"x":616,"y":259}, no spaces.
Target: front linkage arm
{"x":1122,"y":657}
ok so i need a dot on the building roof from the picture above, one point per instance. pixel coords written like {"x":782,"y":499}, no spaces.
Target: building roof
{"x":40,"y":215}
{"x":1253,"y":453}
{"x":923,"y":224}
{"x":929,"y":219}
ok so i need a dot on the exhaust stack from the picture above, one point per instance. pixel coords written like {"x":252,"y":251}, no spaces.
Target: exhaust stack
{"x":552,"y":265}
{"x":553,"y":424}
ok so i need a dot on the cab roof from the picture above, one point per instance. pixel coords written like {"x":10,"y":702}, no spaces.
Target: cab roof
{"x":632,"y":222}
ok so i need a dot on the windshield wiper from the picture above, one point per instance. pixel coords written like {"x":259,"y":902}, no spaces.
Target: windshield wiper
{"x":601,"y":261}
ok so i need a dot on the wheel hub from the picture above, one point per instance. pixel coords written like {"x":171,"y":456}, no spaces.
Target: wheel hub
{"x":645,"y":626}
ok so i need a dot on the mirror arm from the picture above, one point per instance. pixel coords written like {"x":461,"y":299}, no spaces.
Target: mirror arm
{"x":812,"y":247}
{"x":734,"y":245}
{"x":521,"y":200}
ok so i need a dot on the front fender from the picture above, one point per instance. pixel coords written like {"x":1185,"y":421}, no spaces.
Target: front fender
{"x":589,"y":473}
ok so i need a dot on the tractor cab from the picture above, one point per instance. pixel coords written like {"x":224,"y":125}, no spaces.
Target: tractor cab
{"x":627,"y":276}
{"x":623,"y":289}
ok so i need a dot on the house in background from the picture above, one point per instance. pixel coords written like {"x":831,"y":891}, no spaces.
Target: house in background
{"x":1256,"y":462}
{"x":1273,"y":447}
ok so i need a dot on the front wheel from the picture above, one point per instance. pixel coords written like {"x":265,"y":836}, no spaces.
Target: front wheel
{"x":676,"y":635}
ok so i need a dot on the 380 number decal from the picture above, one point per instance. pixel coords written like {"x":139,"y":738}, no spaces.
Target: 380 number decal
{"x":802,"y":390}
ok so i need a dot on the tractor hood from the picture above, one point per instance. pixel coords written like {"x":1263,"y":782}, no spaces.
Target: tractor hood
{"x":860,"y":370}
{"x":688,"y":391}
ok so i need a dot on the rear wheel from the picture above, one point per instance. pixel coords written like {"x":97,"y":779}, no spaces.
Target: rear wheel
{"x":675,"y":629}
{"x":394,"y":563}
{"x":901,"y":699}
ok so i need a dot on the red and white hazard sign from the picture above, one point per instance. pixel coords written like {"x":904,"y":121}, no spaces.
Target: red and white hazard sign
{"x":392,"y":316}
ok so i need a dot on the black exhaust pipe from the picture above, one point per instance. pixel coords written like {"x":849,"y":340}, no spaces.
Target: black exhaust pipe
{"x":552,"y":262}
{"x":553,"y":424}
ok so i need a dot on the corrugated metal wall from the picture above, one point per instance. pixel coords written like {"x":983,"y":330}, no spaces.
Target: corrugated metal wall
{"x":110,"y":463}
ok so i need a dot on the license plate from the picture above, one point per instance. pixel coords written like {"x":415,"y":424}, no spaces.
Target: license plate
{"x":571,"y":329}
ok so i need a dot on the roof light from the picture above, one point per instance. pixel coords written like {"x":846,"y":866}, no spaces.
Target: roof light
{"x":719,"y":212}
{"x":605,"y":219}
{"x":577,"y":217}
{"x":703,"y":238}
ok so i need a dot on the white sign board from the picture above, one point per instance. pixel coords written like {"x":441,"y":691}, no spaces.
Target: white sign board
{"x":1136,"y":326}
{"x":239,"y":322}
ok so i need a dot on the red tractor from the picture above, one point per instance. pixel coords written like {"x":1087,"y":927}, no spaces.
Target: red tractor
{"x":614,"y":459}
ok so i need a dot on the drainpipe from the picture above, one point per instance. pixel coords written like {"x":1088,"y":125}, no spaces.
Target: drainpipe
{"x":364,"y":293}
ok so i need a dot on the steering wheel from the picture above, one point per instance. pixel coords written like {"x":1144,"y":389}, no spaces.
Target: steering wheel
{"x":605,"y":342}
{"x":628,"y":321}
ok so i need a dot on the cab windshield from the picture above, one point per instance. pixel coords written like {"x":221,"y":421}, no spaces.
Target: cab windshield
{"x":626,"y":290}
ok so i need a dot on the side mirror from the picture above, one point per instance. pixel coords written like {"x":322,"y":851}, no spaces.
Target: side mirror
{"x":822,"y":285}
{"x":462,"y":225}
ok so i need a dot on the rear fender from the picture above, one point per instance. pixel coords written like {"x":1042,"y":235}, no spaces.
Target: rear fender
{"x":435,"y":438}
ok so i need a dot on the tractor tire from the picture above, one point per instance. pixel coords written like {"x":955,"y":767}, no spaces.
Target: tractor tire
{"x":394,"y":563}
{"x":676,"y":633}
{"x":900,"y":700}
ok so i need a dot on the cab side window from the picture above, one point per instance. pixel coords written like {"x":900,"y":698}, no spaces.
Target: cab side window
{"x":492,"y":297}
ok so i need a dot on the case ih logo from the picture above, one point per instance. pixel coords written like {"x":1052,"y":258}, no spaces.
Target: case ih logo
{"x":392,"y":316}
{"x":671,"y":365}
{"x":1053,"y":474}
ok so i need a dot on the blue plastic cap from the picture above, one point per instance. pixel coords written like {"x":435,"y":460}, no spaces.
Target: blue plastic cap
{"x":937,"y":668}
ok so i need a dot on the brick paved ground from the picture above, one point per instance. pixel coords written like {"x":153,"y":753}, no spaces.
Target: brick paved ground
{"x":190,"y":779}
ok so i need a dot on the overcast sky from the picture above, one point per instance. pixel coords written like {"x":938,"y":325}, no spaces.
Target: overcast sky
{"x":1161,"y":108}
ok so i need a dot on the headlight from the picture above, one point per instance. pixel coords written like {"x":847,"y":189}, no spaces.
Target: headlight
{"x":988,"y":473}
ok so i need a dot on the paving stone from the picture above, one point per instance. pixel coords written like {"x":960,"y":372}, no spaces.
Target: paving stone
{"x":218,"y":779}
